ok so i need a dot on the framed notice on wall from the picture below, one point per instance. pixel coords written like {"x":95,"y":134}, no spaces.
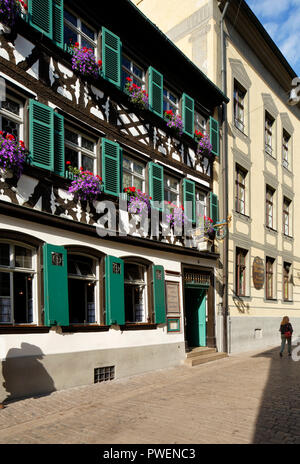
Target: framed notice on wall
{"x":173,"y":298}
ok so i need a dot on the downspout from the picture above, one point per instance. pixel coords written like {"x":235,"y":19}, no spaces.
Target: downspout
{"x":225,"y":182}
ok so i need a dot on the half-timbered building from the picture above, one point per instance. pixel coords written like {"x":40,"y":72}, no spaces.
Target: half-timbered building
{"x":84,"y":295}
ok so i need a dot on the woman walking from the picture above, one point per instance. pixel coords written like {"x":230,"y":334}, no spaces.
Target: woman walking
{"x":286,"y":331}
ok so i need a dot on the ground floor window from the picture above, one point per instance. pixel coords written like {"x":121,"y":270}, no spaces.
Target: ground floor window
{"x":17,"y":276}
{"x":135,"y":292}
{"x":82,"y":284}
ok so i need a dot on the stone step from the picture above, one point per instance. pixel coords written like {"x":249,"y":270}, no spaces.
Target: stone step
{"x":200,"y":351}
{"x":204,"y":358}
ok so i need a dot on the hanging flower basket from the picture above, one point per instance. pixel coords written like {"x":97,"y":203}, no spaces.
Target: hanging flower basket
{"x":10,"y":10}
{"x":138,"y":202}
{"x":13,"y":154}
{"x":137,"y":95}
{"x":84,"y":61}
{"x":86,"y":185}
{"x":174,"y":121}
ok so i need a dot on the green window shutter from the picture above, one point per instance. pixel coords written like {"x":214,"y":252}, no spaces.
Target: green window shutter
{"x":156,"y":183}
{"x":41,"y":135}
{"x":189,"y":196}
{"x":41,"y":16}
{"x":111,"y":167}
{"x":59,"y":144}
{"x":58,"y":23}
{"x":214,"y":135}
{"x":56,"y":301}
{"x":159,"y":294}
{"x":188,"y":114}
{"x":214,"y":207}
{"x":114,"y":291}
{"x":155,"y":91}
{"x":111,"y":56}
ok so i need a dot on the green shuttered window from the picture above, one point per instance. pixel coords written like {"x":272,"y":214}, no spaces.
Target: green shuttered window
{"x":47,"y":16}
{"x":214,"y":136}
{"x":155,"y":91}
{"x":188,"y":114}
{"x":56,"y":302}
{"x":214,"y":207}
{"x":156,"y":183}
{"x":159,"y":295}
{"x":111,"y":55}
{"x":46,"y":137}
{"x":114,"y":291}
{"x":189,"y":199}
{"x":111,"y":167}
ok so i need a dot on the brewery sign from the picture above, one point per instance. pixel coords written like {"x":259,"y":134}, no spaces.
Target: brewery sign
{"x":258,"y":273}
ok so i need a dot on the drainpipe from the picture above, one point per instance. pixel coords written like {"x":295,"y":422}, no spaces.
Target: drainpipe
{"x":225,"y":181}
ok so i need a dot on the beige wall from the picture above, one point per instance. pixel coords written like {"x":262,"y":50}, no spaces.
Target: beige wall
{"x":194,"y":27}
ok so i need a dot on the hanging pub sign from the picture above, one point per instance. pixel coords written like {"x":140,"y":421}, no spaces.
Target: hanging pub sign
{"x":258,"y":273}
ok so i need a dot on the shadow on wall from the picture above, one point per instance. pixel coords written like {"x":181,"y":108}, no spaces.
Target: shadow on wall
{"x":278,"y":421}
{"x":24,"y":374}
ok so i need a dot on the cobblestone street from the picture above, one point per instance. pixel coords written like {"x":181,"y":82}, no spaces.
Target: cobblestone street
{"x":245,"y":398}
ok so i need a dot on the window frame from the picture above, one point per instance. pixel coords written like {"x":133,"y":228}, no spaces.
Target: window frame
{"x":141,"y":82}
{"x":286,"y":215}
{"x":80,"y":33}
{"x":170,"y":105}
{"x":241,"y":267}
{"x":199,"y":192}
{"x":145,"y":285}
{"x":168,"y":189}
{"x":95,"y":279}
{"x":286,"y":290}
{"x":270,"y":262}
{"x":286,"y":138}
{"x":81,"y":151}
{"x":240,"y":189}
{"x":131,"y":172}
{"x":239,"y":98}
{"x":13,"y":117}
{"x":12,"y":269}
{"x":270,"y":207}
{"x":269,"y":134}
{"x":199,"y":126}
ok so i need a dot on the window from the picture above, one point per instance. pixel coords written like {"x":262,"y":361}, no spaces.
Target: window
{"x":270,"y":207}
{"x":270,"y":278}
{"x":239,"y":106}
{"x":286,"y":216}
{"x":170,"y":101}
{"x":285,"y":149}
{"x":80,"y":150}
{"x":11,"y":116}
{"x":201,"y":203}
{"x":287,"y":281}
{"x":133,"y":173}
{"x":269,"y":122}
{"x":17,"y":277}
{"x":135,"y":276}
{"x":200,"y":123}
{"x":171,"y":190}
{"x":241,"y":271}
{"x":76,"y":30}
{"x":240,"y":190}
{"x":82,"y":283}
{"x":132,"y":70}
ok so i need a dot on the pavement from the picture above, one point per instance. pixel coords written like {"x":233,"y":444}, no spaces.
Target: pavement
{"x":243,"y":399}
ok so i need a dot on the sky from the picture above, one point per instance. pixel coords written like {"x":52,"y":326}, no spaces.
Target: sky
{"x":281,"y":19}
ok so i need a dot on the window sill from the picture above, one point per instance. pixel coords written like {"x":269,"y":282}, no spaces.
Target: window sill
{"x":240,"y":132}
{"x":269,"y":229}
{"x":139,"y":326}
{"x":288,"y":237}
{"x":23,"y":329}
{"x":288,"y":301}
{"x":243,"y":216}
{"x":270,"y":155}
{"x":271,"y":299}
{"x":85,"y":328}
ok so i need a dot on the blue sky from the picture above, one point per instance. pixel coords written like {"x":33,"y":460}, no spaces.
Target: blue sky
{"x":281,"y":19}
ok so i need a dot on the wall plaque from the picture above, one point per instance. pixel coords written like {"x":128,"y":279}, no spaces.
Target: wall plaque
{"x":173,"y":303}
{"x":258,"y":273}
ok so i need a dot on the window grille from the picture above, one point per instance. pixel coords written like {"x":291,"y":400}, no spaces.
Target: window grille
{"x":103,"y":374}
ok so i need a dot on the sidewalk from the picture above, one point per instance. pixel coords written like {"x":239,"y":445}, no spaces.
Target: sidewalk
{"x":246,"y":398}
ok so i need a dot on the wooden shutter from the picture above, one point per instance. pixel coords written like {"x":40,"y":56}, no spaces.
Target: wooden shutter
{"x":159,"y":294}
{"x":155,"y":91}
{"x":111,"y":167}
{"x":156,"y":183}
{"x":214,"y":207}
{"x":58,"y":22}
{"x":114,"y":291}
{"x":41,"y":135}
{"x":189,"y":197}
{"x":56,"y":301}
{"x":214,"y":135}
{"x":111,"y":56}
{"x":188,"y":114}
{"x":59,"y":144}
{"x":41,"y":16}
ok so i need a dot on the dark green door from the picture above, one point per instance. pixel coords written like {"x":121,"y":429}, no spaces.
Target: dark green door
{"x":195,"y":311}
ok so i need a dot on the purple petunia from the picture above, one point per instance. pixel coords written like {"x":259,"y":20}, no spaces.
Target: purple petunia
{"x":86,"y":185}
{"x":204,"y":147}
{"x":9,"y":12}
{"x":12,"y":153}
{"x":84,"y":61}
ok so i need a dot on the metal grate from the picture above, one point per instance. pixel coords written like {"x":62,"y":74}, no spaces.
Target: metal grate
{"x":102,"y":374}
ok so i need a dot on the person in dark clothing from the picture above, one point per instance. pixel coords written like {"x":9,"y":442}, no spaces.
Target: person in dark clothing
{"x":286,"y":331}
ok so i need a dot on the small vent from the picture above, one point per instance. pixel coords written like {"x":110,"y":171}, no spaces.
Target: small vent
{"x":102,"y":374}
